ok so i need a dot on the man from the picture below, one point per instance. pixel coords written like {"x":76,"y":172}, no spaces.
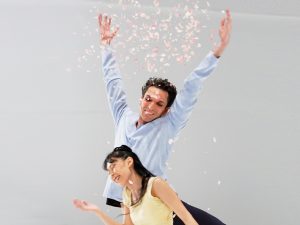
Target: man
{"x":162,"y":114}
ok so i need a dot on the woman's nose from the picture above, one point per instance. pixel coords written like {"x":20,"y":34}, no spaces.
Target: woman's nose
{"x":110,"y":172}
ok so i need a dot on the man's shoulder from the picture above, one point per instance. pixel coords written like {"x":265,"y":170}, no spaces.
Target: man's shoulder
{"x":129,"y":115}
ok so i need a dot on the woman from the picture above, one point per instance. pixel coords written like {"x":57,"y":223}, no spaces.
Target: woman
{"x":147,"y":200}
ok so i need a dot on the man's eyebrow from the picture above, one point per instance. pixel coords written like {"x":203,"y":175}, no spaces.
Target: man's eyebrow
{"x":161,"y":101}
{"x":153,"y":96}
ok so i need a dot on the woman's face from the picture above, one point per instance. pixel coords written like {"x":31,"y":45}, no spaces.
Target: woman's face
{"x":119,"y":170}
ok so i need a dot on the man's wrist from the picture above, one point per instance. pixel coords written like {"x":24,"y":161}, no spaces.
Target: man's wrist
{"x":219,"y":51}
{"x":217,"y":54}
{"x":105,"y":42}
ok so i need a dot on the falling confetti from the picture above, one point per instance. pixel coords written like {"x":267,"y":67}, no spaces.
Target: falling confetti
{"x":168,"y":166}
{"x":156,"y":3}
{"x":214,"y":139}
{"x":144,"y":29}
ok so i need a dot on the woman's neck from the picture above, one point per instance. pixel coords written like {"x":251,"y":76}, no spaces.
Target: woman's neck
{"x":134,"y":184}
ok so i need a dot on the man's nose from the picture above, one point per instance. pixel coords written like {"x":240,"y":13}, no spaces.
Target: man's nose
{"x":151,"y":105}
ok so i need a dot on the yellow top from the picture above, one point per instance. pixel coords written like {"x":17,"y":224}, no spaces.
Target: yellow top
{"x":150,"y":211}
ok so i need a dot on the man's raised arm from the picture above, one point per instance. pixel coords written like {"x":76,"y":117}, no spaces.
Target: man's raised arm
{"x":187,"y":97}
{"x":112,"y":76}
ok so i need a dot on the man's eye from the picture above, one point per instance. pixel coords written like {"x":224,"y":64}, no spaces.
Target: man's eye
{"x":147,"y":99}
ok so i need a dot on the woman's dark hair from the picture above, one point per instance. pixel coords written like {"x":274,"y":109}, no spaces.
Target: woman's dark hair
{"x":162,"y":84}
{"x":123,"y":152}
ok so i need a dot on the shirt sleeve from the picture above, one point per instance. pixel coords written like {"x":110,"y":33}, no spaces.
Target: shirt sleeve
{"x":113,"y":84}
{"x":186,"y":99}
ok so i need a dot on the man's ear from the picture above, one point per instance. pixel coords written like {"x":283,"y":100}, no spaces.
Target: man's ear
{"x":166,"y":110}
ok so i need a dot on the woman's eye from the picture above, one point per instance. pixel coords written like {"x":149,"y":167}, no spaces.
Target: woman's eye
{"x":112,"y":166}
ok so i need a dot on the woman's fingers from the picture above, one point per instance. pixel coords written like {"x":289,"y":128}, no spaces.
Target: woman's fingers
{"x":77,"y":203}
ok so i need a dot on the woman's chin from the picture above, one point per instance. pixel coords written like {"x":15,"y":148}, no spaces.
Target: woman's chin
{"x":120,"y":184}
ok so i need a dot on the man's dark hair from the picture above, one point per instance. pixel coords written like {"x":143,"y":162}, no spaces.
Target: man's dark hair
{"x":162,"y":84}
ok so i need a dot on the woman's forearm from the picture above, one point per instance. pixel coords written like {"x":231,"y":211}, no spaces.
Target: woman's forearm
{"x":189,"y":220}
{"x":105,"y":218}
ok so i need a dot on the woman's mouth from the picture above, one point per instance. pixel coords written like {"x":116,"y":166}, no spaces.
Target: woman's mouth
{"x":116,"y":179}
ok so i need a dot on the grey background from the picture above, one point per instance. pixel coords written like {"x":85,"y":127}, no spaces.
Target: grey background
{"x":238,"y":157}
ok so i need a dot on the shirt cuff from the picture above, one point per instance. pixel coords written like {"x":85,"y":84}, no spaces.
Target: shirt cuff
{"x":212,"y":57}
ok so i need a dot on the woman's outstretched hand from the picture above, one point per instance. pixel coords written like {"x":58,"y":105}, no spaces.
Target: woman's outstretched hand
{"x":86,"y":206}
{"x":106,"y":35}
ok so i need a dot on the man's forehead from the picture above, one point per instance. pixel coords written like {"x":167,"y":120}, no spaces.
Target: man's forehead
{"x":157,"y":93}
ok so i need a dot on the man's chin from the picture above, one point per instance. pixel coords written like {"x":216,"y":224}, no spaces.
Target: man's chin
{"x":148,"y":119}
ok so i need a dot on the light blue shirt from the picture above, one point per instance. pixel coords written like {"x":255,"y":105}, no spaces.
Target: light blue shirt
{"x":152,"y":142}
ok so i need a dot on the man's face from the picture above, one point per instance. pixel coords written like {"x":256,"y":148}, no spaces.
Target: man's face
{"x":153,"y":105}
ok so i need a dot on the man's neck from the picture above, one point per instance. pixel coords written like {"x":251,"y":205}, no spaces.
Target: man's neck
{"x":140,"y":122}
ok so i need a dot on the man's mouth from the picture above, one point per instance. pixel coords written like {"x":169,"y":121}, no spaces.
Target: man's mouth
{"x":148,"y":113}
